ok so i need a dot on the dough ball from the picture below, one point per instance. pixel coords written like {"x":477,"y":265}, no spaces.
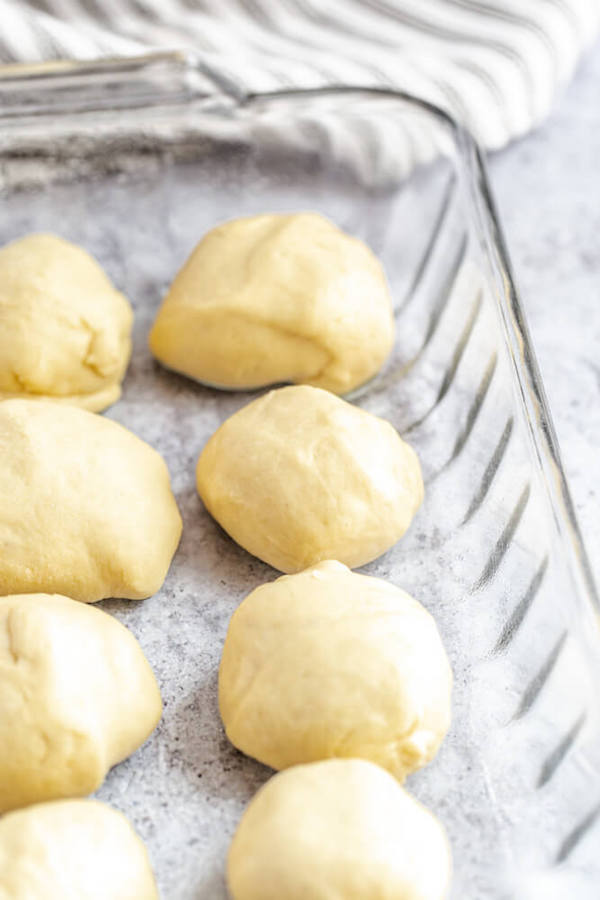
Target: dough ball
{"x":337,"y":830}
{"x":65,"y":330}
{"x":72,"y":850}
{"x":76,"y":697}
{"x":277,"y":298}
{"x":86,"y":508}
{"x":299,"y":476}
{"x":332,"y":663}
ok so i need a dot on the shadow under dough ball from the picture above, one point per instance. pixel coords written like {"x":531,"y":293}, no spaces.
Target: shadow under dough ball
{"x":299,"y":476}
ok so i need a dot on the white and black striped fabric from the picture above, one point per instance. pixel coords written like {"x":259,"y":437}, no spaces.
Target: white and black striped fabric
{"x":494,"y":64}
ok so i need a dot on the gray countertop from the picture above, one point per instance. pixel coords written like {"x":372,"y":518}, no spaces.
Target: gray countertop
{"x":547,"y":187}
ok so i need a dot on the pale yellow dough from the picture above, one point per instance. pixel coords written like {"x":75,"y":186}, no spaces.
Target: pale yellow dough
{"x":72,"y":850}
{"x":337,"y":830}
{"x":64,"y":329}
{"x":299,"y":476}
{"x":86,"y":508}
{"x":277,"y":298}
{"x":331,"y":663}
{"x":77,"y":696}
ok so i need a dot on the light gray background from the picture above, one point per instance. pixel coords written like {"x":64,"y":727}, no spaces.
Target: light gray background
{"x":547,"y":187}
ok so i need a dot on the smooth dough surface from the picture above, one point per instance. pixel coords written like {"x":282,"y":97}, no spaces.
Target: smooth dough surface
{"x":65,"y":332}
{"x":72,"y":850}
{"x":86,"y":508}
{"x":77,"y":696}
{"x":337,"y":830}
{"x":276,"y":298}
{"x":329,"y":663}
{"x":299,"y":476}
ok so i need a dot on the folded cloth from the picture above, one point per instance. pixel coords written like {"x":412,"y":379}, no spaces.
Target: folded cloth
{"x":496,"y":65}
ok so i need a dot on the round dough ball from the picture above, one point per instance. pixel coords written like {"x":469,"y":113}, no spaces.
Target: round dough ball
{"x":86,"y":508}
{"x":332,"y":663}
{"x":277,"y":298}
{"x":337,"y":830}
{"x":77,"y":696}
{"x":299,"y":476}
{"x":65,"y":329}
{"x":72,"y":850}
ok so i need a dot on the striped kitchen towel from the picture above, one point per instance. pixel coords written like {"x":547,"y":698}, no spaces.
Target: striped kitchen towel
{"x":496,"y":65}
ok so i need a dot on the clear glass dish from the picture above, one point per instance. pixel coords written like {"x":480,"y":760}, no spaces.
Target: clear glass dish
{"x":136,"y":159}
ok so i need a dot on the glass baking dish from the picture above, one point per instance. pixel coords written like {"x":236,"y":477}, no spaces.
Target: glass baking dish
{"x":135,"y":160}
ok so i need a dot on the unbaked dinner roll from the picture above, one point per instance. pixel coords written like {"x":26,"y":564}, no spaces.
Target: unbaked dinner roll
{"x":337,"y":830}
{"x":299,"y":476}
{"x":64,"y":329}
{"x":276,"y":298}
{"x":77,"y":696}
{"x":86,"y":508}
{"x":331,"y":663}
{"x":72,"y":850}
